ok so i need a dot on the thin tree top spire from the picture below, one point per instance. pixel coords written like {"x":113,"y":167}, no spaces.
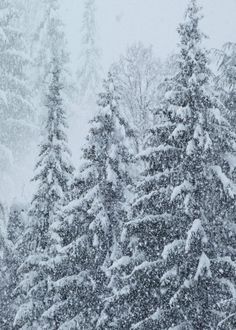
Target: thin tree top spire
{"x":53,"y":169}
{"x":192,"y":62}
{"x":193,"y":8}
{"x":189,"y":30}
{"x":55,"y":106}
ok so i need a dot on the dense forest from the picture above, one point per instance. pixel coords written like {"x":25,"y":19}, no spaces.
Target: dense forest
{"x":141,"y":234}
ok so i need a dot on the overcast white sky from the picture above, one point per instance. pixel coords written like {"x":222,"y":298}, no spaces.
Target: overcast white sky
{"x":121,"y":22}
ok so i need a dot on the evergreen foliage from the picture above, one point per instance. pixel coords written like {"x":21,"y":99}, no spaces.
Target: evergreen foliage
{"x":143,"y":237}
{"x":199,"y":279}
{"x":90,"y":225}
{"x":53,"y":178}
{"x":183,"y":211}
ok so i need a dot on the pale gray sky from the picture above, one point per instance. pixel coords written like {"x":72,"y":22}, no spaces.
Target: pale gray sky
{"x":121,"y":22}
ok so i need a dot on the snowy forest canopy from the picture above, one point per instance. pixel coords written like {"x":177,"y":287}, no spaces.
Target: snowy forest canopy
{"x":136,"y":228}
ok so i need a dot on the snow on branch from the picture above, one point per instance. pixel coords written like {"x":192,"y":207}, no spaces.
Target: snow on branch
{"x":183,"y":187}
{"x":228,"y":185}
{"x":194,"y":231}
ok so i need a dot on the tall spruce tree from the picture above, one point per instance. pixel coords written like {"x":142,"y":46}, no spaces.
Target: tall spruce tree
{"x":185,"y":205}
{"x":90,"y":226}
{"x":9,"y":262}
{"x":199,"y":282}
{"x":53,"y":178}
{"x":135,"y":298}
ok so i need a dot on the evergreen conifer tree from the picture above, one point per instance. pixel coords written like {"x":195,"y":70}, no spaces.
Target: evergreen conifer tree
{"x":199,"y":282}
{"x":53,"y":178}
{"x":8,"y":267}
{"x":135,"y":298}
{"x":9,"y":262}
{"x":90,"y":226}
{"x":185,"y":204}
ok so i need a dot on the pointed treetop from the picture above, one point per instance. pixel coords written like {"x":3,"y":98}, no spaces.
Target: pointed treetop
{"x":193,"y":10}
{"x":110,"y":94}
{"x":189,"y":30}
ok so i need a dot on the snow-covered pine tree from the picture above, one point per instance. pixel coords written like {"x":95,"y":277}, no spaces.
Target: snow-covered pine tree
{"x":53,"y":178}
{"x":135,"y":299}
{"x":198,"y":285}
{"x":9,"y":262}
{"x":8,"y":267}
{"x":185,"y":204}
{"x":89,"y":71}
{"x":17,"y":221}
{"x":91,"y":223}
{"x":17,"y":112}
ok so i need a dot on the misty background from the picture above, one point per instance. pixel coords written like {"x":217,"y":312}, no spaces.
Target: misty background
{"x":119,"y":24}
{"x":117,"y":164}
